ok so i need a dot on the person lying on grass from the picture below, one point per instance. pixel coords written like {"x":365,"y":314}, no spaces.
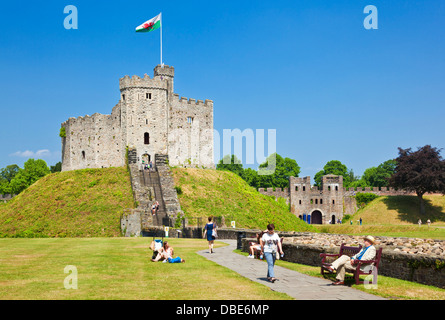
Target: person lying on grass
{"x":164,"y":253}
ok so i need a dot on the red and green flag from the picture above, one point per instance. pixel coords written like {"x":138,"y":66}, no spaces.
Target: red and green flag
{"x":150,"y":25}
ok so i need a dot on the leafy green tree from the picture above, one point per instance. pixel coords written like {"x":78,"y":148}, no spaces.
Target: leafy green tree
{"x":4,"y":186}
{"x":333,"y":167}
{"x":56,"y":168}
{"x":231,"y":163}
{"x":251,"y":177}
{"x":379,"y":176}
{"x":33,"y":170}
{"x":420,"y":171}
{"x":6,"y":175}
{"x":276,"y":170}
{"x":9,"y":172}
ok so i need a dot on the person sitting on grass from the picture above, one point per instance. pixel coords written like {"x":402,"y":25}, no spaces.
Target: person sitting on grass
{"x":164,"y":253}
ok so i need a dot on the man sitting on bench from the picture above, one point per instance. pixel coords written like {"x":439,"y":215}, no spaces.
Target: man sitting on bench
{"x":346,"y":263}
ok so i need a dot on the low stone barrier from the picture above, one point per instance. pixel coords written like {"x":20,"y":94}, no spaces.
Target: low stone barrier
{"x":417,"y":267}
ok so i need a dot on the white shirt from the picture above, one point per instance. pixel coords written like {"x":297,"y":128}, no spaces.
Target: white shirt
{"x":270,"y":242}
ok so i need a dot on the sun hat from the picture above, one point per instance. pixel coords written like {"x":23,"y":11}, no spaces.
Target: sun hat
{"x":370,"y":239}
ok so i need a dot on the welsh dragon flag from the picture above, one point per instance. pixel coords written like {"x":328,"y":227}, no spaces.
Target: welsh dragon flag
{"x":150,"y":25}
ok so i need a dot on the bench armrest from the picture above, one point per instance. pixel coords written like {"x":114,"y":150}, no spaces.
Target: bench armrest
{"x":323,"y":255}
{"x":365,"y":261}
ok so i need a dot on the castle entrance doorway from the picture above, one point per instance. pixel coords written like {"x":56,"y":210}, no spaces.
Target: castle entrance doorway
{"x":146,"y":158}
{"x":316,"y":217}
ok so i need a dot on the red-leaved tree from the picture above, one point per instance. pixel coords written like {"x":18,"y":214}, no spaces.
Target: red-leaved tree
{"x":421,"y":171}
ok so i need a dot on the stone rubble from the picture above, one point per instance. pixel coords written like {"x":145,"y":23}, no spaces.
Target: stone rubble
{"x":414,"y":246}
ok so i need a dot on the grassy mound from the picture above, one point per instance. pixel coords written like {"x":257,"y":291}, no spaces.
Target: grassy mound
{"x":80,"y":203}
{"x":403,"y":210}
{"x":396,"y":216}
{"x":218,"y":193}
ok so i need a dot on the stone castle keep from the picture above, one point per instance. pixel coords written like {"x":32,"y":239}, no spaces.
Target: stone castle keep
{"x":149,"y":118}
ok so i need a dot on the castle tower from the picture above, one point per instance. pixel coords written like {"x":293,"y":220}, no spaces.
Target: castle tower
{"x":150,"y":118}
{"x":144,"y":108}
{"x":317,"y":205}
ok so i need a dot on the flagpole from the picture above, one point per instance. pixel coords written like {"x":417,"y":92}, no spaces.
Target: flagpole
{"x":162,"y":64}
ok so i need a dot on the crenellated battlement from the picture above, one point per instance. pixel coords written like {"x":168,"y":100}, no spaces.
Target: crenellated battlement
{"x":159,"y":81}
{"x":146,"y":82}
{"x":193,"y":102}
{"x":164,"y":71}
{"x":96,"y":117}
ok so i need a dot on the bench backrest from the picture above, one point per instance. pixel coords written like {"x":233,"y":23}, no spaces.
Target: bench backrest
{"x":349,"y":250}
{"x":378,"y":255}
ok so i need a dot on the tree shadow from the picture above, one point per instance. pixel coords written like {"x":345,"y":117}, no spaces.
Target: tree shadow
{"x":408,"y":208}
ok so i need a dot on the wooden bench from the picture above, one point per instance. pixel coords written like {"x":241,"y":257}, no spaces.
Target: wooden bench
{"x":368,"y":271}
{"x":344,"y":250}
{"x":350,"y":251}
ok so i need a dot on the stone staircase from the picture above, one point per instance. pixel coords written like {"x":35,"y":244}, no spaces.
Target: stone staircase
{"x":169,"y":194}
{"x":151,"y":180}
{"x":149,"y":187}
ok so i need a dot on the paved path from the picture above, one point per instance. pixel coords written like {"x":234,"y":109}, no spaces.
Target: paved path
{"x":293,"y":283}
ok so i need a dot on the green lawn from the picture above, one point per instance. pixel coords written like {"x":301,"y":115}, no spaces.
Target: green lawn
{"x":118,"y":268}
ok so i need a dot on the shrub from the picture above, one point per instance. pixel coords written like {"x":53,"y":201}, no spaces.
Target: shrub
{"x":62,"y":132}
{"x":364,"y":198}
{"x":178,"y":190}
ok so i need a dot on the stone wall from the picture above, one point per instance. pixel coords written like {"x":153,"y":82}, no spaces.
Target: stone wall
{"x":381,"y":191}
{"x":349,"y":205}
{"x":93,"y":142}
{"x":277,"y":193}
{"x":418,"y":260}
{"x":6,"y":197}
{"x":191,"y":132}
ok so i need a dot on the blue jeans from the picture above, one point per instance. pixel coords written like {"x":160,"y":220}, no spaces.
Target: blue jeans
{"x":175,"y":260}
{"x":270,"y":258}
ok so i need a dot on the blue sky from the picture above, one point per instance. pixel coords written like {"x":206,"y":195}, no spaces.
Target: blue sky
{"x":309,"y":69}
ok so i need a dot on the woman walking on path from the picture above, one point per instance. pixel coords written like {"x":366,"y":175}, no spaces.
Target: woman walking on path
{"x":270,"y":245}
{"x":209,"y":232}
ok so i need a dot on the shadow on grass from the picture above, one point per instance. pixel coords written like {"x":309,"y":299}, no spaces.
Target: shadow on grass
{"x":408,"y":208}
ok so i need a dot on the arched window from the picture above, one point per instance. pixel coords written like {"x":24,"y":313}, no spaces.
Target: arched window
{"x":146,"y":138}
{"x":83,"y":155}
